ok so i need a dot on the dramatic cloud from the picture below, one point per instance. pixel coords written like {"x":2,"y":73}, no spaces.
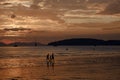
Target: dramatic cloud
{"x":112,"y":8}
{"x":17,"y":29}
{"x":49,"y":20}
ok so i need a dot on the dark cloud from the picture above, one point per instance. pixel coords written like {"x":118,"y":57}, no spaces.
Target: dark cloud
{"x":35,"y":4}
{"x":17,"y":29}
{"x":5,"y":4}
{"x":102,"y":26}
{"x":112,"y":8}
{"x":65,"y":4}
{"x":68,"y":4}
{"x":99,"y":1}
{"x":39,"y":13}
{"x":13,"y":16}
{"x":36,"y":13}
{"x":2,"y":1}
{"x":108,"y":36}
{"x":59,"y":4}
{"x":112,"y":28}
{"x":1,"y":31}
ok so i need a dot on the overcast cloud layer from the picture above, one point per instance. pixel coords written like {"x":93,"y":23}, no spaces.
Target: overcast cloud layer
{"x":50,"y":20}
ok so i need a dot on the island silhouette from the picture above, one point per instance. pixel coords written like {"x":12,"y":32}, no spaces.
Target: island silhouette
{"x":84,"y":42}
{"x":68,"y":42}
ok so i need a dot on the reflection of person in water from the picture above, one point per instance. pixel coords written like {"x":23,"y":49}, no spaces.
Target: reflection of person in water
{"x":50,"y":60}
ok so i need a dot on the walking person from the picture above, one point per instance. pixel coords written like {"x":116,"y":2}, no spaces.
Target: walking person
{"x":48,"y":60}
{"x":52,"y":56}
{"x":52,"y":59}
{"x":47,"y":57}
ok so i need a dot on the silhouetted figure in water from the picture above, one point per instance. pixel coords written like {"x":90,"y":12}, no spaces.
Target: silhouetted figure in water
{"x":47,"y":57}
{"x":52,"y":56}
{"x":67,"y":49}
{"x":50,"y":60}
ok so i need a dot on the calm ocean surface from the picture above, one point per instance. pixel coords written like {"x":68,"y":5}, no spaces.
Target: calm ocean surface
{"x":82,"y":61}
{"x":19,"y":52}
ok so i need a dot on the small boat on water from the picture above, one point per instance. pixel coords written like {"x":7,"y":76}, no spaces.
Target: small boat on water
{"x":15,"y":45}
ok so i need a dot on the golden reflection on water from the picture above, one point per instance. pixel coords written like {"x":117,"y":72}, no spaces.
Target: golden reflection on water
{"x":10,"y":68}
{"x":66,"y":67}
{"x":74,"y":68}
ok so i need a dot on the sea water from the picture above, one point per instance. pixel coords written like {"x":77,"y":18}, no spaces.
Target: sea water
{"x":72,"y":61}
{"x":20,"y":52}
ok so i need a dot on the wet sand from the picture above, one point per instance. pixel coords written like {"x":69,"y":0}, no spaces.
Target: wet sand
{"x":65,"y":68}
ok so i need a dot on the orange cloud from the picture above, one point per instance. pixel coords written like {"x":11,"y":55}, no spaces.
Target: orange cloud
{"x":49,"y":20}
{"x":112,"y":8}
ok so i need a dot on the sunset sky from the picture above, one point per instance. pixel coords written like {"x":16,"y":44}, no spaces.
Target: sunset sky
{"x":51,"y":20}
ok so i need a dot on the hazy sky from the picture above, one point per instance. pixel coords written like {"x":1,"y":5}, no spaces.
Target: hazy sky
{"x":50,"y":20}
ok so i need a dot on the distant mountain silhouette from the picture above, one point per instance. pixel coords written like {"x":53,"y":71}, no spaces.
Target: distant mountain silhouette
{"x":16,"y":44}
{"x":113,"y":42}
{"x":84,"y":42}
{"x":2,"y":44}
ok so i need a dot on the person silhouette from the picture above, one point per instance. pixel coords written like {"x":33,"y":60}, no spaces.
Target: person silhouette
{"x":52,"y":59}
{"x":47,"y":57}
{"x":52,"y":56}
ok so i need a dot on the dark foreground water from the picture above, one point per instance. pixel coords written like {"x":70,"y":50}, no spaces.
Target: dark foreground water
{"x":71,"y":63}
